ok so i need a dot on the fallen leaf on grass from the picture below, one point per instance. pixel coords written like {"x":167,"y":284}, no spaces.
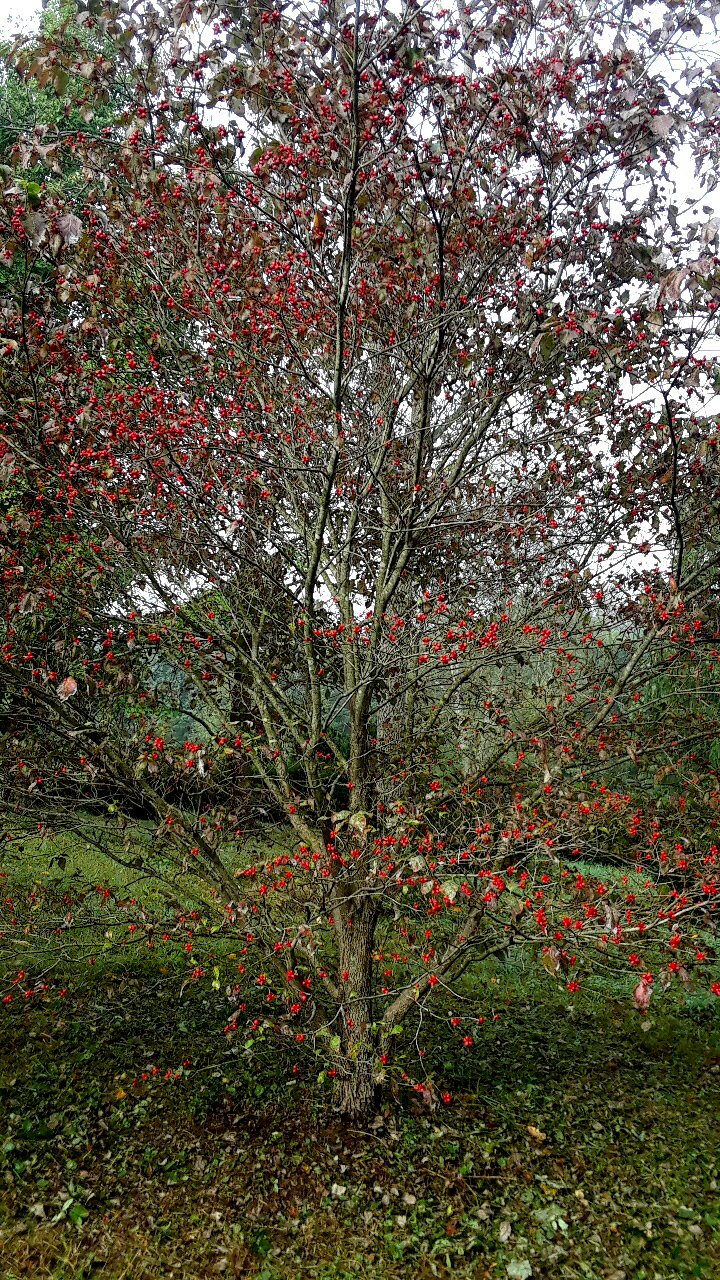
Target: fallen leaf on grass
{"x":537,"y":1134}
{"x":519,"y":1269}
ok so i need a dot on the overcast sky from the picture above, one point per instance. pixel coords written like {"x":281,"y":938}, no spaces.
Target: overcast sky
{"x":21,"y":15}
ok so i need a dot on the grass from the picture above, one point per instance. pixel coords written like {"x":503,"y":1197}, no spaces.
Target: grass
{"x":575,"y":1143}
{"x":580,"y":1141}
{"x":64,"y":857}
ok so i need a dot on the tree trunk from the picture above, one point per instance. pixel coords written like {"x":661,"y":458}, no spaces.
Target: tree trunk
{"x":356,"y":1088}
{"x":356,"y":1060}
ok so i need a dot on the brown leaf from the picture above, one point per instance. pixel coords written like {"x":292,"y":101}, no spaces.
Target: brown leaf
{"x":661,"y":125}
{"x":537,"y":1134}
{"x":66,"y":688}
{"x":69,"y":227}
{"x":35,"y":227}
{"x":685,"y":978}
{"x":675,"y":280}
{"x":709,"y":102}
{"x":183,"y":12}
{"x":642,"y":994}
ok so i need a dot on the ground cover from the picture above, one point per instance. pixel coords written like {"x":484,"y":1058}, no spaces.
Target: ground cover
{"x":580,"y":1139}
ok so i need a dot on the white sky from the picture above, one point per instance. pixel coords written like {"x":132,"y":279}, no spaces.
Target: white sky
{"x":21,"y":15}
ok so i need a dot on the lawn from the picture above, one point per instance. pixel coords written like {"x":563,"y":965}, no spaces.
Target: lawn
{"x":575,"y":1144}
{"x":580,"y":1138}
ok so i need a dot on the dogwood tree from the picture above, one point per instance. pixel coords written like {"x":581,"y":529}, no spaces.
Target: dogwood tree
{"x":360,"y":479}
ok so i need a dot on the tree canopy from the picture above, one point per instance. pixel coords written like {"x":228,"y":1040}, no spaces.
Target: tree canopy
{"x":359,"y":477}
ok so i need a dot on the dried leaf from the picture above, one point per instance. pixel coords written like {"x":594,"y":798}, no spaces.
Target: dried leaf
{"x":69,"y":227}
{"x":709,"y":102}
{"x":642,"y":994}
{"x":537,"y":1134}
{"x":67,"y":688}
{"x":519,"y":1269}
{"x":35,"y":228}
{"x":661,"y":125}
{"x":183,"y":12}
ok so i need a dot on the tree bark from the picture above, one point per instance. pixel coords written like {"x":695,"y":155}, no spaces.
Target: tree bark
{"x":356,"y":1088}
{"x":356,"y":1061}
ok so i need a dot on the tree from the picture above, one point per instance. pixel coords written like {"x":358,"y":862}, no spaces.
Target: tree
{"x":362,"y":424}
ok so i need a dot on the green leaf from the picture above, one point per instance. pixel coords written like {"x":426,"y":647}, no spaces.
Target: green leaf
{"x":546,"y":346}
{"x":61,"y":1212}
{"x":39,"y":1132}
{"x":335,"y":1043}
{"x":259,"y":1244}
